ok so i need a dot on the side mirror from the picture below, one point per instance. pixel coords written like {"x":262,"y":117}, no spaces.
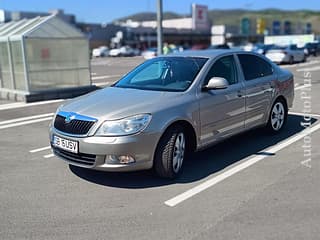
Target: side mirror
{"x":216,"y":83}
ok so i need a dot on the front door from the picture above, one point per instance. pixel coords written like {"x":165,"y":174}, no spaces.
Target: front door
{"x":222,"y":111}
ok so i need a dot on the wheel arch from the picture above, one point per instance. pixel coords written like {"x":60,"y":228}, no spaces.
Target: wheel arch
{"x":282,"y":99}
{"x":273,"y":101}
{"x":189,"y":130}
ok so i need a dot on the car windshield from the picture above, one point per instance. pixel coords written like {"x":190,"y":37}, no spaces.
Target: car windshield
{"x":173,"y":74}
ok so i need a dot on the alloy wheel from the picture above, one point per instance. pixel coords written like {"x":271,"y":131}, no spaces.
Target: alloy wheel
{"x":277,"y":116}
{"x":178,"y":152}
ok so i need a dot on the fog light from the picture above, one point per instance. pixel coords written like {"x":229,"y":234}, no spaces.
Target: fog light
{"x":126,"y":159}
{"x":123,"y":159}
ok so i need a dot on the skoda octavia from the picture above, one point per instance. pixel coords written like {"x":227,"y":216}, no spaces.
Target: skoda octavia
{"x":169,"y":106}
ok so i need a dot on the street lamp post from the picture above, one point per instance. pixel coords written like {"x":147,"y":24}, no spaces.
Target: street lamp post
{"x":159,"y":26}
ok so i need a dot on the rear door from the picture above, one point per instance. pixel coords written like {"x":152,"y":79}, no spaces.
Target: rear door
{"x":258,"y":75}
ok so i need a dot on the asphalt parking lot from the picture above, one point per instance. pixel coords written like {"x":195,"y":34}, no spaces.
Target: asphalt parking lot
{"x":253,"y":186}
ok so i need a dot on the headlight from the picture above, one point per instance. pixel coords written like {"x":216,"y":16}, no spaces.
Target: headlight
{"x":125,"y":126}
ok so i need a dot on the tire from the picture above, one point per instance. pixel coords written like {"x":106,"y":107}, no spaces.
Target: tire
{"x":170,"y":153}
{"x":291,"y":60}
{"x":277,"y":117}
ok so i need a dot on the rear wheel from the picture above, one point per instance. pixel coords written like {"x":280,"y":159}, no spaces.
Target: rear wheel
{"x":277,"y":116}
{"x":291,"y":60}
{"x":170,"y":153}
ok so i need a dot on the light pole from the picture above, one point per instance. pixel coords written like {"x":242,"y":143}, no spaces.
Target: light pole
{"x":159,"y":26}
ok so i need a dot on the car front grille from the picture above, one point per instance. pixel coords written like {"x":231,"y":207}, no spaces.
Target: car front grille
{"x":77,"y":158}
{"x":75,"y":126}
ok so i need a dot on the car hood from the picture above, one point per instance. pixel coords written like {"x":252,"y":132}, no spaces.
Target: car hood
{"x":116,"y":103}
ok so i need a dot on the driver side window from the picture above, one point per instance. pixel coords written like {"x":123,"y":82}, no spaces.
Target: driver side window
{"x":225,"y":68}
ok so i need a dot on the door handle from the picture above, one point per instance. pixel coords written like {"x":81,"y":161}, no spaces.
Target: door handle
{"x":239,"y":93}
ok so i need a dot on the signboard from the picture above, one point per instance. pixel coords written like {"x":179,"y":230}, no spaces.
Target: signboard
{"x":245,"y":26}
{"x":276,"y":27}
{"x":218,"y":29}
{"x":2,"y":16}
{"x":200,"y":17}
{"x":45,"y":53}
{"x":287,"y":27}
{"x":300,"y":40}
{"x":261,"y":25}
{"x":308,"y":28}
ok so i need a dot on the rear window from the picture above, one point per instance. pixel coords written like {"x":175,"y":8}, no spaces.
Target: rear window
{"x":254,"y":67}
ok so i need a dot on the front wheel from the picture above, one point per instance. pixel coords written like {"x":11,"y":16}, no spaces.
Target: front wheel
{"x":277,"y":116}
{"x":170,"y":153}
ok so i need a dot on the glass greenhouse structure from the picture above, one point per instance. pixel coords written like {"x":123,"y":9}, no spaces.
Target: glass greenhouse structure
{"x":42,"y":54}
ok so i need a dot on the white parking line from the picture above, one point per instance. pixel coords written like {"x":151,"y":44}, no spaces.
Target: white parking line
{"x":304,"y":114}
{"x":22,"y":104}
{"x":25,"y":120}
{"x":215,"y":180}
{"x":105,"y":77}
{"x":49,"y":155}
{"x":302,"y":86}
{"x":302,"y":64}
{"x":310,"y":69}
{"x":104,"y":84}
{"x":39,"y":149}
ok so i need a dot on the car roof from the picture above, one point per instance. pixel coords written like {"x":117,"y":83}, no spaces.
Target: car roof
{"x":208,"y":53}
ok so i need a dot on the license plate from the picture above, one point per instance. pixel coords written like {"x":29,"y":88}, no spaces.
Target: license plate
{"x":65,"y":144}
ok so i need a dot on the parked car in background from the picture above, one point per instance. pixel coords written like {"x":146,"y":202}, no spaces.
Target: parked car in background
{"x":102,"y":51}
{"x":312,"y":48}
{"x":199,"y":47}
{"x":219,"y":46}
{"x":262,"y":48}
{"x":249,"y":47}
{"x":150,"y":53}
{"x":124,"y":51}
{"x":286,"y":54}
{"x":170,"y":106}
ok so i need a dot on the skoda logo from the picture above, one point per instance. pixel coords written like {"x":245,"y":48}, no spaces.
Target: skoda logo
{"x":69,"y":118}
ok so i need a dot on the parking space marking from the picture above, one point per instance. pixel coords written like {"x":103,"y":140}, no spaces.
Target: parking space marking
{"x":25,"y":120}
{"x":103,"y":84}
{"x":49,"y":155}
{"x":215,"y":180}
{"x":40,"y":149}
{"x":302,"y":64}
{"x":305,"y":114}
{"x":302,"y":86}
{"x":22,"y":105}
{"x":105,"y":77}
{"x":310,"y":69}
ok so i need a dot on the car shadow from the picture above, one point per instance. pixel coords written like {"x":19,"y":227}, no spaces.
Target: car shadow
{"x":200,"y":164}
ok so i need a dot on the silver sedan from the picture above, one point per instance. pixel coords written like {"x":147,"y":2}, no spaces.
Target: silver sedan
{"x":170,"y":106}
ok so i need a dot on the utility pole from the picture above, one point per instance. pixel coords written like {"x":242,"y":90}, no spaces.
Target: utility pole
{"x":159,"y":26}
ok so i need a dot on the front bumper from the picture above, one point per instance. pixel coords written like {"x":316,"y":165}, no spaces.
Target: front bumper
{"x":93,"y":151}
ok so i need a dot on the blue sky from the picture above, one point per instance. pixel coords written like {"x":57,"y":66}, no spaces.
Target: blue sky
{"x":101,"y":11}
